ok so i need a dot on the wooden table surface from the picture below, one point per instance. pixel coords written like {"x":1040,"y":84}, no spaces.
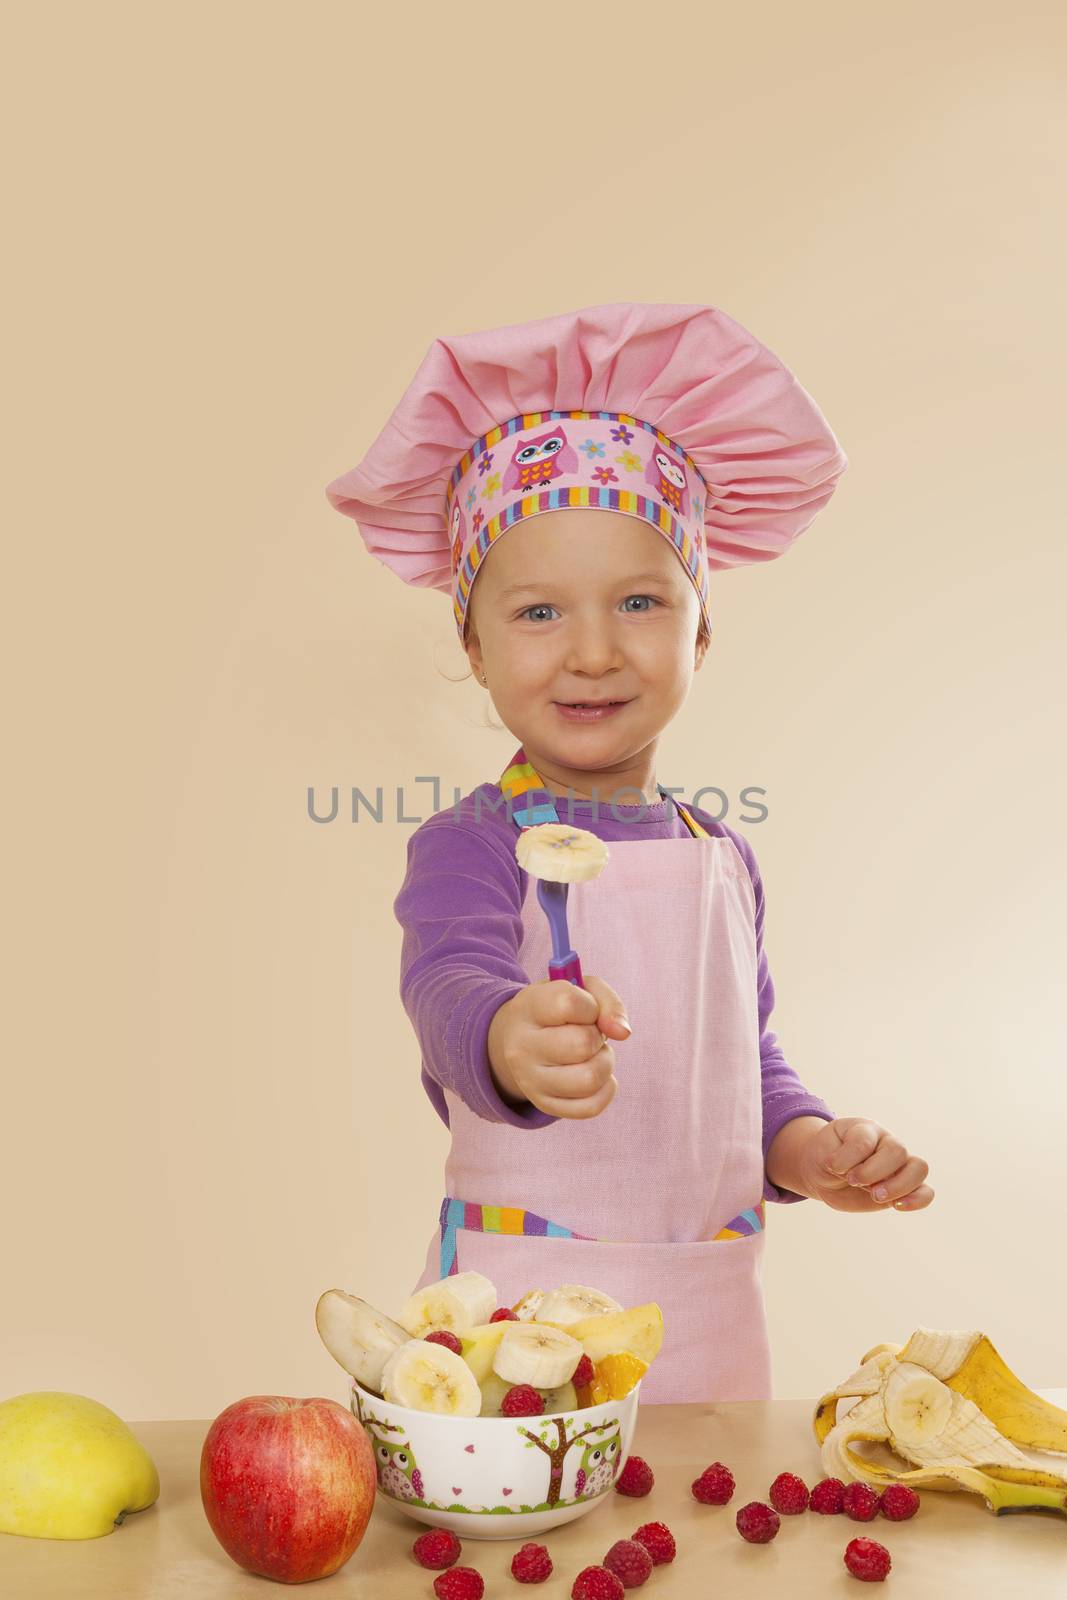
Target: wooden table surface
{"x":953,"y":1545}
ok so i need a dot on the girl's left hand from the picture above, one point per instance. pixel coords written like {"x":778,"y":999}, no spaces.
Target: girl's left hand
{"x":856,"y":1165}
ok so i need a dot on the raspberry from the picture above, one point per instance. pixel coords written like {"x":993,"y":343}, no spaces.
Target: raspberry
{"x":867,"y":1560}
{"x":583,"y":1372}
{"x":715,"y":1485}
{"x":437,"y":1548}
{"x":462,"y":1583}
{"x":629,"y":1561}
{"x":446,"y":1337}
{"x":596,"y":1583}
{"x":828,"y":1496}
{"x":532,"y":1563}
{"x":757,"y":1522}
{"x":860,"y":1502}
{"x":504,"y":1314}
{"x":789,"y":1494}
{"x":636,"y":1478}
{"x":658,"y":1540}
{"x":522,"y":1400}
{"x":899,"y":1502}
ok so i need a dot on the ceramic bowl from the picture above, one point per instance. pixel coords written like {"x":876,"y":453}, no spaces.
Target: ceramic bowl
{"x":496,"y":1477}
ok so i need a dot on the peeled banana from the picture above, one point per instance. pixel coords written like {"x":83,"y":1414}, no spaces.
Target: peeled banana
{"x":457,"y":1303}
{"x":948,"y":1402}
{"x":431,"y":1377}
{"x":560,"y":852}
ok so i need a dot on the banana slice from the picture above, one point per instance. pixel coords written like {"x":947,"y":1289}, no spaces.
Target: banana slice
{"x":573,"y":1302}
{"x":532,"y":1353}
{"x":528,"y":1306}
{"x":462,"y":1301}
{"x":430,"y":1377}
{"x":560,"y":852}
{"x":917,"y":1408}
{"x":935,"y":1427}
{"x":360,"y":1338}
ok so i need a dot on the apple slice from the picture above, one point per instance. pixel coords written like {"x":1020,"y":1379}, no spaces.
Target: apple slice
{"x":479,"y":1346}
{"x":360,"y":1338}
{"x":637,"y":1331}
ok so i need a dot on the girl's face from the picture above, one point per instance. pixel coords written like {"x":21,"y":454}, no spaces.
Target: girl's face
{"x":584,"y":604}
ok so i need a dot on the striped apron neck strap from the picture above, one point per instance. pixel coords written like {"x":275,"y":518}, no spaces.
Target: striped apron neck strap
{"x":532,"y":803}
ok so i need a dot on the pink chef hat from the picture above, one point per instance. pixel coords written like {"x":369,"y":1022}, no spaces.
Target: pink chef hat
{"x":674,"y":414}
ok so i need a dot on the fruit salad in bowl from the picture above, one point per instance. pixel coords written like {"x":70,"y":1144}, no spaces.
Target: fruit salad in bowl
{"x":495,"y":1421}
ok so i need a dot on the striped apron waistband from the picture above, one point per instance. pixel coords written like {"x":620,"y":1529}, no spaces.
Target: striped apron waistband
{"x":481,"y":1218}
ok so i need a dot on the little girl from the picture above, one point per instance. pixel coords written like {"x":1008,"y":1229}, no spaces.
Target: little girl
{"x":624,"y":1135}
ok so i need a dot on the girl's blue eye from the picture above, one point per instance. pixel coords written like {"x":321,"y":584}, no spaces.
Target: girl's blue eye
{"x":543,"y":607}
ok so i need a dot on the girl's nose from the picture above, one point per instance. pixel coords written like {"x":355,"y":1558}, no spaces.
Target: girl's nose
{"x":594,"y":649}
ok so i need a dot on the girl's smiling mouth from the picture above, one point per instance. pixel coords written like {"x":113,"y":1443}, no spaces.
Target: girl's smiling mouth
{"x":590,"y":710}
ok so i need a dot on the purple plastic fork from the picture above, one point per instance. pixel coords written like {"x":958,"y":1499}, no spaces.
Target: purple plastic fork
{"x":564,"y":962}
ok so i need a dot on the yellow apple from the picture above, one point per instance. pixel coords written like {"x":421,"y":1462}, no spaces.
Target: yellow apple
{"x":637,"y":1330}
{"x":479,"y":1346}
{"x":69,"y":1467}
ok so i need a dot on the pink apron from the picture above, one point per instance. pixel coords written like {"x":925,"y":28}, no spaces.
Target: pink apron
{"x":660,"y":1197}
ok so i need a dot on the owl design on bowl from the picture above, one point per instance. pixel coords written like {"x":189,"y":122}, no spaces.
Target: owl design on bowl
{"x":598,"y":1466}
{"x":398,"y":1472}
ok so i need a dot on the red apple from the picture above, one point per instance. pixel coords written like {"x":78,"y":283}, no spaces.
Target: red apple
{"x":288,"y":1485}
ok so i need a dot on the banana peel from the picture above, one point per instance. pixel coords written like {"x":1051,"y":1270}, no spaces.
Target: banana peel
{"x":948,"y":1402}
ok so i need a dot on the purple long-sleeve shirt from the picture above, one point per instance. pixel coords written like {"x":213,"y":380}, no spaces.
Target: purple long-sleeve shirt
{"x":460,"y":907}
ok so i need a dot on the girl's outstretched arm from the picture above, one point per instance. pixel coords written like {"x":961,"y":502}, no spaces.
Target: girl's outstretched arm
{"x":460,"y":907}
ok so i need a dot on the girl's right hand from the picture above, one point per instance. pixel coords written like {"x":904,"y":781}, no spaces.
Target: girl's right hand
{"x":547,"y":1045}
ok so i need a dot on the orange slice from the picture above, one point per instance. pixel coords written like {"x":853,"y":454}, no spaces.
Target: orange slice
{"x":614,"y":1376}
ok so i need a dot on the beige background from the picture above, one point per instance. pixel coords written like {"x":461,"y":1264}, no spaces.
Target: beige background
{"x":235,"y":231}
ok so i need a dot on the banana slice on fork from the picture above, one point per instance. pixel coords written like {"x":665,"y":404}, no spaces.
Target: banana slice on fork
{"x":560,"y":853}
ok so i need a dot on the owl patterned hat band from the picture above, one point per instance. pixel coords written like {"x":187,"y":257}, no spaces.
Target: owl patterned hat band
{"x":554,"y":459}
{"x":671,"y":413}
